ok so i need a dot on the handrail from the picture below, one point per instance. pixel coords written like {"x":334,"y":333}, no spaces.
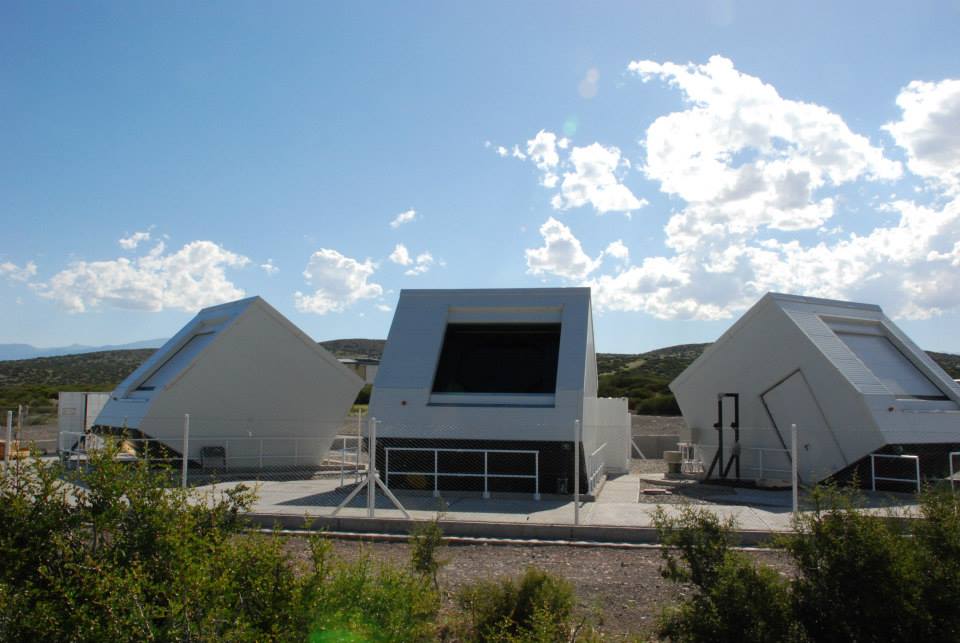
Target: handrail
{"x":950,"y":456}
{"x":873,"y":473}
{"x":486,"y":475}
{"x":595,"y":469}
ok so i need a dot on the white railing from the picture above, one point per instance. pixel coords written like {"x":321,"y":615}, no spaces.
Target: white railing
{"x":951,"y":456}
{"x":486,"y":475}
{"x":873,"y":469}
{"x":596,"y":464}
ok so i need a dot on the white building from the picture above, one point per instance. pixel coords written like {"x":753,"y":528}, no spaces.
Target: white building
{"x":475,"y":373}
{"x":76,"y":414}
{"x":254,"y":385}
{"x":846,"y":375}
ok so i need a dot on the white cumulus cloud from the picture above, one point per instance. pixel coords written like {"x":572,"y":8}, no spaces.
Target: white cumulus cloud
{"x":338,"y":281}
{"x":404,"y":217}
{"x":400,"y":255}
{"x":561,"y":254}
{"x":929,"y":130}
{"x":269,"y":268}
{"x":134,"y":240}
{"x":422,"y":264}
{"x":188,"y":279}
{"x":594,"y":181}
{"x":757,"y":177}
{"x":13,"y":272}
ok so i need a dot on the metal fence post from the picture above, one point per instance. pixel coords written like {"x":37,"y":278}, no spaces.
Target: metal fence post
{"x":356,"y":477}
{"x":794,"y":467}
{"x":372,"y":474}
{"x":6,"y":450}
{"x":186,"y":446}
{"x":576,"y":472}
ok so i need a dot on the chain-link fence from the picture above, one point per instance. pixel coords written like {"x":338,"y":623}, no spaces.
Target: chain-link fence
{"x":601,"y":475}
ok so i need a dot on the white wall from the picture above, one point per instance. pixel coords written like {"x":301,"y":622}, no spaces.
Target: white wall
{"x":607,"y":420}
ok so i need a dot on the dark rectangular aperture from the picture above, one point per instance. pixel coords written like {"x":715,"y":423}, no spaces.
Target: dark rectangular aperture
{"x":498,"y":358}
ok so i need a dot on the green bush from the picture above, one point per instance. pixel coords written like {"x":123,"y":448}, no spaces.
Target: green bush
{"x":426,"y":539}
{"x":859,"y":576}
{"x":537,"y":607}
{"x":733,"y":599}
{"x":115,"y":554}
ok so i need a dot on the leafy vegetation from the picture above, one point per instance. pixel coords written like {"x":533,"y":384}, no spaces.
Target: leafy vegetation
{"x":859,"y":576}
{"x":113,"y":554}
{"x":535,"y":607}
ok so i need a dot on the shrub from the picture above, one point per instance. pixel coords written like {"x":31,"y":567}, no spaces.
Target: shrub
{"x":426,"y":539}
{"x":733,"y":599}
{"x":114,"y":554}
{"x":537,"y":607}
{"x":860,"y":577}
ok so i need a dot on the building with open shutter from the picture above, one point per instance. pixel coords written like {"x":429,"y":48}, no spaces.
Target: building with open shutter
{"x":482,"y":390}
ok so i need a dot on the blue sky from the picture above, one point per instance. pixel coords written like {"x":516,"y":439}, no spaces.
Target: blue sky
{"x":681,"y":160}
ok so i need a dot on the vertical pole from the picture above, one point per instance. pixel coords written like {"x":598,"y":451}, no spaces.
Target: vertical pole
{"x":6,"y":450}
{"x":873,"y":474}
{"x":917,"y":461}
{"x":186,"y":445}
{"x":486,"y":470}
{"x":372,"y":468}
{"x":436,"y":473}
{"x":794,"y":467}
{"x":576,"y":472}
{"x":343,"y":456}
{"x":356,"y":479}
{"x":536,"y":475}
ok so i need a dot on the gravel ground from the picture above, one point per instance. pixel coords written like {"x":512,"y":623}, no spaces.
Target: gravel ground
{"x":618,"y":590}
{"x":656,"y":424}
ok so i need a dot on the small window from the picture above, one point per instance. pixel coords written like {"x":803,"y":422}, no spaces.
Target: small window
{"x":901,"y":377}
{"x":499,"y":358}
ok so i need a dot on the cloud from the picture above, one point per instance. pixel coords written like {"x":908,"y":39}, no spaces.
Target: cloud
{"x":422,"y":264}
{"x":756,"y":178}
{"x":269,"y":268}
{"x":338,"y":281}
{"x":542,"y":150}
{"x":594,"y":181}
{"x":188,"y":279}
{"x":744,"y":157}
{"x":929,"y":130}
{"x":561,"y":255}
{"x":131,"y":242}
{"x":618,"y":250}
{"x":400,"y":255}
{"x":588,"y":85}
{"x":13,"y":272}
{"x":403,"y":217}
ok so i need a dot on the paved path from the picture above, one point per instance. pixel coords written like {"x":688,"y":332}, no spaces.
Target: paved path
{"x":615,"y":515}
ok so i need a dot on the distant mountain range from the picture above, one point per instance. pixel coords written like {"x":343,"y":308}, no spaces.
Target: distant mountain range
{"x":26,"y":351}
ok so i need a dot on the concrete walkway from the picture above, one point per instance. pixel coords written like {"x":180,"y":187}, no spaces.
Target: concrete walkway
{"x":615,"y":516}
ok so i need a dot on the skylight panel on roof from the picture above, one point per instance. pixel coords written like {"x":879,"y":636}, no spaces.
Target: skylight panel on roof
{"x":177,"y":362}
{"x":894,"y":370}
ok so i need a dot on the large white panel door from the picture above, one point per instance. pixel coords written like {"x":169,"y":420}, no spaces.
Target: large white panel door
{"x":792,"y":402}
